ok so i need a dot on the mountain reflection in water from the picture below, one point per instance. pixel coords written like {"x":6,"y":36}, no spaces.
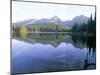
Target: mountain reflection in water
{"x":49,"y":52}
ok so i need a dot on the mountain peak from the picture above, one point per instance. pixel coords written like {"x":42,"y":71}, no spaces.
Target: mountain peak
{"x":55,"y":16}
{"x":81,"y":16}
{"x":55,"y":19}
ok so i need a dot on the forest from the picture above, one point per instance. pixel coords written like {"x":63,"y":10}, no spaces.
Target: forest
{"x":88,"y":28}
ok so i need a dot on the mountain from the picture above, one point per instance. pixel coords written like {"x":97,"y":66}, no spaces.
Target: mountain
{"x":55,"y":20}
{"x":78,"y":19}
{"x":44,"y":20}
{"x":26,"y":22}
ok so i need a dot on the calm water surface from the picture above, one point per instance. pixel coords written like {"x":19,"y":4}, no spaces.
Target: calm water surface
{"x":48,"y":52}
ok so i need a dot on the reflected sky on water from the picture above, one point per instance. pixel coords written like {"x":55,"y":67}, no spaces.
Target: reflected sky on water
{"x":52,"y":52}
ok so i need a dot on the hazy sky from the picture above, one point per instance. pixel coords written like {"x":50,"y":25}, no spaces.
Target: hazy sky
{"x":28,"y":10}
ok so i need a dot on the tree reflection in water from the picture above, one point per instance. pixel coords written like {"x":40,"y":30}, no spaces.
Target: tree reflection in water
{"x":55,"y":39}
{"x":90,"y":43}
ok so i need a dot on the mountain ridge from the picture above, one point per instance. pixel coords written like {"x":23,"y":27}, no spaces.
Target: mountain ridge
{"x":56,"y":20}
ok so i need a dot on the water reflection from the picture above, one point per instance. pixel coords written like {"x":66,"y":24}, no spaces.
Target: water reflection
{"x":90,"y":43}
{"x":46,"y":52}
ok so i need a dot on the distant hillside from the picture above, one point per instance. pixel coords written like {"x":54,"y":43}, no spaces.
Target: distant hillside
{"x":55,"y":20}
{"x":78,"y":19}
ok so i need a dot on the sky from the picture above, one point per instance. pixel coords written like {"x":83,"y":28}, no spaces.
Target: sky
{"x":31,"y":10}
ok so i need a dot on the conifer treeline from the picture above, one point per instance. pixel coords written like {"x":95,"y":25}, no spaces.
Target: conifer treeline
{"x":88,"y":28}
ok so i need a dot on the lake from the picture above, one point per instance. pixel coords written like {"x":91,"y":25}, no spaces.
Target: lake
{"x":52,"y":52}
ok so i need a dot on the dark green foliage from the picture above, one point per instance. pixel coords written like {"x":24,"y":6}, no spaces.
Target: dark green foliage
{"x":88,"y":28}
